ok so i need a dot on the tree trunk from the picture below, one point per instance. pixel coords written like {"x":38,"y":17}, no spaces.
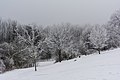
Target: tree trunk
{"x":99,"y":51}
{"x":35,"y":65}
{"x":59,"y":56}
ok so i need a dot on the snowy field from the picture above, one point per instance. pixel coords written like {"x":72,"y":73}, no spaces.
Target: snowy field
{"x":105,"y":66}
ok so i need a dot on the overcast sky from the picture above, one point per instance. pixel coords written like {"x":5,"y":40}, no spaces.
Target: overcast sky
{"x":47,"y":12}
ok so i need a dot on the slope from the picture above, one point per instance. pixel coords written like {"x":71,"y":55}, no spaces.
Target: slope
{"x":105,"y":66}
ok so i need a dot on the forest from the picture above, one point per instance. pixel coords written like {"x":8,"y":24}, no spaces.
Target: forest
{"x":22,"y":46}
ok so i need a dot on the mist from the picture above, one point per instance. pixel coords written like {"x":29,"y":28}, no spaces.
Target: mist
{"x":47,"y":12}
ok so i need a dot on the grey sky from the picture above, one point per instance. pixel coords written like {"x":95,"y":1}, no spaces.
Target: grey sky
{"x":56,"y":11}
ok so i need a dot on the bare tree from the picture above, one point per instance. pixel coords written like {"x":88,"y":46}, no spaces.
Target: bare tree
{"x":60,"y":38}
{"x":98,"y":37}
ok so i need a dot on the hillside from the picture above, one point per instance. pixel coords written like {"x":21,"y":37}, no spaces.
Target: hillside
{"x":104,"y":66}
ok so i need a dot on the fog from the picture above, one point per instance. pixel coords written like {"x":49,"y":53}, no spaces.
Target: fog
{"x":47,"y":12}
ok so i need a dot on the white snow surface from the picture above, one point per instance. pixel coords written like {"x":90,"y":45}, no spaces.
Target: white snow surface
{"x":104,"y":66}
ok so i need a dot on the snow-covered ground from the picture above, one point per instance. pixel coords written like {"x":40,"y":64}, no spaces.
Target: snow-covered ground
{"x":105,"y":66}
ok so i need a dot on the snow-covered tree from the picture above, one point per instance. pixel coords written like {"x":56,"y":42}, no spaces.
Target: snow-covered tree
{"x":3,"y":30}
{"x":98,"y":37}
{"x":60,"y":39}
{"x":113,"y":29}
{"x":33,"y":37}
{"x":7,"y":30}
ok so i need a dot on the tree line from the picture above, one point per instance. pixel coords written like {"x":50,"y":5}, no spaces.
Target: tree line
{"x":21,"y":46}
